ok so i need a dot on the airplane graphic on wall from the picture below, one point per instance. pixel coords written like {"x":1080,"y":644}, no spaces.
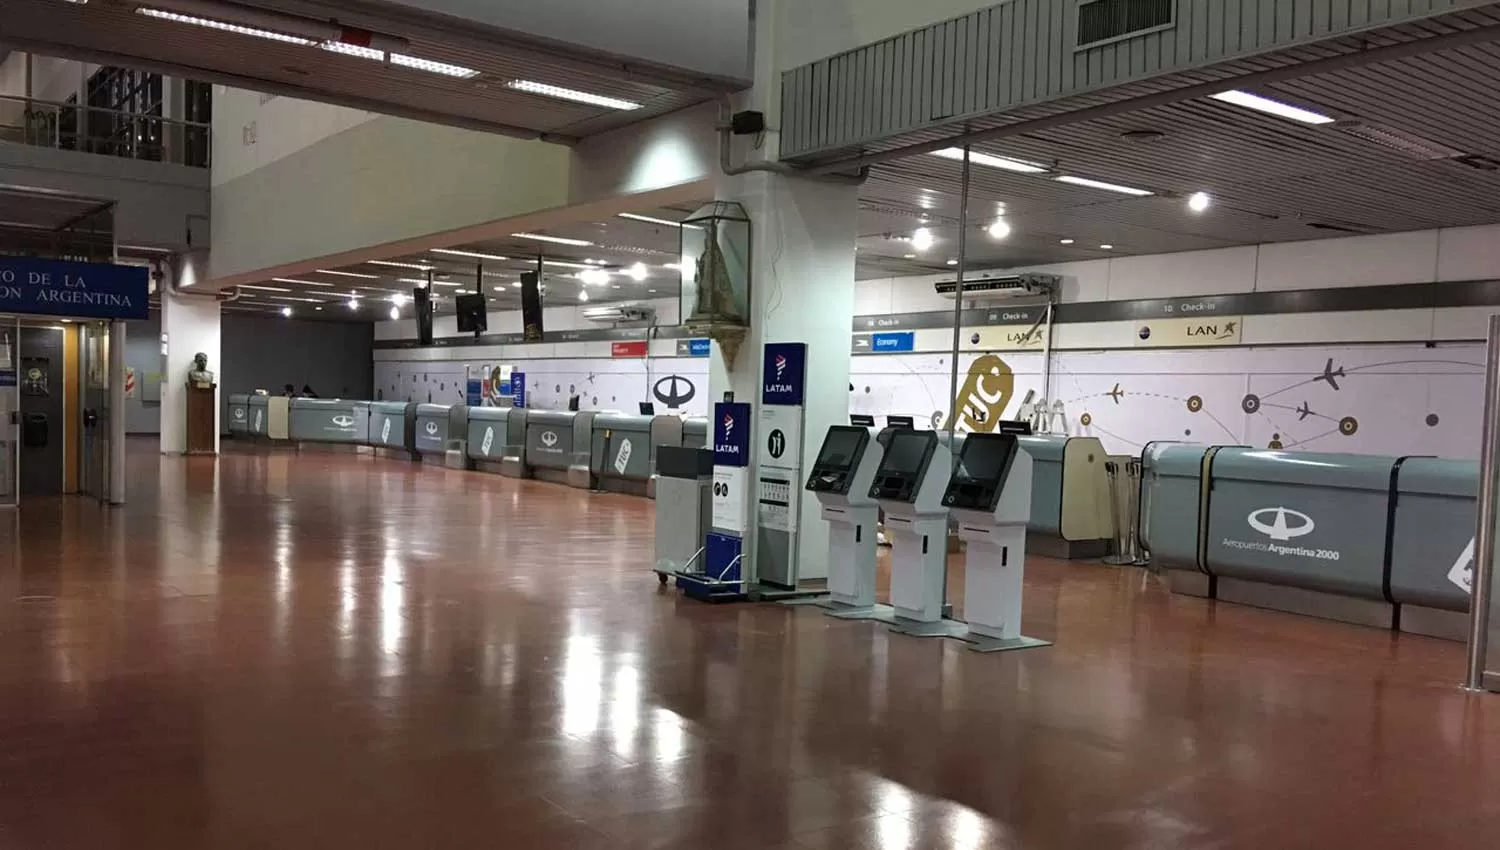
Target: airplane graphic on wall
{"x":1116,"y":393}
{"x":1331,"y":375}
{"x":1304,"y":411}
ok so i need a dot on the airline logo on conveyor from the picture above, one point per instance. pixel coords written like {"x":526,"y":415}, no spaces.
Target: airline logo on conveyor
{"x":1281,"y":524}
{"x":343,"y":421}
{"x":385,"y":432}
{"x":489,"y":441}
{"x":432,"y":429}
{"x":549,"y":440}
{"x":1277,"y":528}
{"x":239,"y":413}
{"x":622,"y":459}
{"x":1462,"y":572}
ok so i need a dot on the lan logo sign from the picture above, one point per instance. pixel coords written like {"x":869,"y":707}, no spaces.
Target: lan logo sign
{"x":1188,"y":333}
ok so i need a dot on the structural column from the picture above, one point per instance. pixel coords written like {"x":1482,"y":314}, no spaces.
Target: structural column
{"x":189,"y":325}
{"x":802,"y":290}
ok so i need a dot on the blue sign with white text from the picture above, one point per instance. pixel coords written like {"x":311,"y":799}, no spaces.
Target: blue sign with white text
{"x":699,"y":347}
{"x":84,"y":290}
{"x":784,"y":373}
{"x":518,"y":388}
{"x":731,"y":434}
{"x":894,"y":343}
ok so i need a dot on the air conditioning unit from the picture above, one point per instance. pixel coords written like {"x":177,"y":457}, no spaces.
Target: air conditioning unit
{"x":620,"y":313}
{"x":1029,"y":285}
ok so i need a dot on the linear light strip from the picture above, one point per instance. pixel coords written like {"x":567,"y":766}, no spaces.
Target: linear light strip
{"x":992,"y":161}
{"x":303,"y":282}
{"x":1271,"y":107}
{"x":224,"y":26}
{"x":560,"y":240}
{"x":475,"y":254}
{"x":1100,"y":184}
{"x":546,"y":90}
{"x":393,"y":264}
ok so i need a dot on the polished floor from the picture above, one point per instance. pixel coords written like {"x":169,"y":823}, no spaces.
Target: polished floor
{"x":330,"y":651}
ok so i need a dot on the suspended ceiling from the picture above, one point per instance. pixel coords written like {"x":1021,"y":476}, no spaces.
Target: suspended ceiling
{"x":111,"y":32}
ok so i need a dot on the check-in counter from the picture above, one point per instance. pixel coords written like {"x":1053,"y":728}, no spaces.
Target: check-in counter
{"x":1173,"y":497}
{"x":259,"y":408}
{"x":517,"y":432}
{"x":488,"y":440}
{"x":1432,"y":544}
{"x":624,"y":449}
{"x":329,"y":420}
{"x":393,"y":428}
{"x":665,"y":431}
{"x":1070,"y":509}
{"x":559,"y":445}
{"x":438,"y":426}
{"x":1301,"y":531}
{"x":239,"y":416}
{"x":695,"y":433}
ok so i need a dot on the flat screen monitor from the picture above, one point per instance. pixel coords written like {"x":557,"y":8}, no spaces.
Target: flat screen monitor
{"x":573,"y":404}
{"x":905,"y":453}
{"x":472,"y":317}
{"x":648,"y":409}
{"x":986,"y":457}
{"x":840,"y":445}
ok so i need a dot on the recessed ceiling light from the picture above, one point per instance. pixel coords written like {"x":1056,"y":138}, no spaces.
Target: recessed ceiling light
{"x":305,"y":282}
{"x":1106,"y":247}
{"x":353,"y":303}
{"x":1271,"y":107}
{"x":223,"y":26}
{"x":417,"y":63}
{"x":953,"y":262}
{"x":583,"y":295}
{"x":1100,"y":184}
{"x":287,"y":312}
{"x":317,"y":308}
{"x":559,"y":240}
{"x":992,"y":161}
{"x":398,"y":299}
{"x":516,"y":285}
{"x":394,"y":264}
{"x":395,"y":313}
{"x":637,"y":272}
{"x":264,"y":288}
{"x":908,"y":256}
{"x":1000,"y":229}
{"x":349,"y":274}
{"x":475,"y":254}
{"x":1199,"y":202}
{"x":594,"y":277}
{"x":1065,"y":241}
{"x":921,"y":239}
{"x":545,"y":90}
{"x":650,"y":290}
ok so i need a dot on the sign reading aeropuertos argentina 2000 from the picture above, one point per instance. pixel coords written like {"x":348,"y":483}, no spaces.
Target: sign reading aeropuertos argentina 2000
{"x":80,"y":290}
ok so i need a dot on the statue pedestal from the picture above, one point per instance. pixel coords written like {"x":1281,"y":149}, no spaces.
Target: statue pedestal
{"x":202,"y":416}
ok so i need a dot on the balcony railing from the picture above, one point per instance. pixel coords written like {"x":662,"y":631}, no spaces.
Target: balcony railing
{"x":106,"y":132}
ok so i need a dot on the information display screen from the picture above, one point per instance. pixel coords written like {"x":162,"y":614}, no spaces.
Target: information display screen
{"x":906,"y":452}
{"x":986,"y":457}
{"x":840,"y":445}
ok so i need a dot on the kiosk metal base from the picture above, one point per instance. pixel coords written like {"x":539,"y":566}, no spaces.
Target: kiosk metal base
{"x":920,"y":628}
{"x":882,"y":613}
{"x":805,"y":593}
{"x":985,"y":643}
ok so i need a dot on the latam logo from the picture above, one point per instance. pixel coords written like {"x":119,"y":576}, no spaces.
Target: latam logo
{"x":728,"y":425}
{"x":549,"y":438}
{"x":343,"y":421}
{"x":1277,"y":528}
{"x":432,"y":429}
{"x":780,"y":367}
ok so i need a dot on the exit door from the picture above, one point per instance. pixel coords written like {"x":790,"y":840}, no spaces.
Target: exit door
{"x":94,"y":411}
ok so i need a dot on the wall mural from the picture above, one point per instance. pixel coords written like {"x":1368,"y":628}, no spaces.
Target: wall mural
{"x":673,"y":384}
{"x":1372,"y":399}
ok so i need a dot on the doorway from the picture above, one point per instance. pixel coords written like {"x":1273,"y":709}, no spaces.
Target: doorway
{"x":41,"y":406}
{"x":94,"y":411}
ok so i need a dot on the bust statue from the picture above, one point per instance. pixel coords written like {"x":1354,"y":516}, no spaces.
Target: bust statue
{"x":200,"y":377}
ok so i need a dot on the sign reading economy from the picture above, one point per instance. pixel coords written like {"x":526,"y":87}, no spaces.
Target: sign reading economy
{"x":81,"y":290}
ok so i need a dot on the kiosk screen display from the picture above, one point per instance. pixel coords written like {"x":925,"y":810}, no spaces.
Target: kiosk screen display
{"x":986,"y":459}
{"x":905,"y":454}
{"x":839,"y":447}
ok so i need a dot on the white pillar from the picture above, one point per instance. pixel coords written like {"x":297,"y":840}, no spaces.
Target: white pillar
{"x":189,"y":325}
{"x":802,"y":290}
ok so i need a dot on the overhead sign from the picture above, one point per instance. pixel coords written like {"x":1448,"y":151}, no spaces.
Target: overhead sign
{"x":694,"y":347}
{"x":893,"y":343}
{"x":628,"y":349}
{"x":1200,"y":332}
{"x":1011,"y":338}
{"x":518,"y":388}
{"x":784,"y":373}
{"x":731,"y":434}
{"x":82,"y":290}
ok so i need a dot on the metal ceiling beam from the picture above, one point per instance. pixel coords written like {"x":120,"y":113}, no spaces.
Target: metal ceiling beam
{"x":1345,"y":61}
{"x":172,"y":69}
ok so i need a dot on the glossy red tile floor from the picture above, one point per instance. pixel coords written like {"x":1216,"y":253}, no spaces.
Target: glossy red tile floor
{"x":329,"y":651}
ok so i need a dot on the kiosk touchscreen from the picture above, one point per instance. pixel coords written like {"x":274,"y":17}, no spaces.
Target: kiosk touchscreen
{"x":909,"y":486}
{"x":990,"y":496}
{"x":841,"y":478}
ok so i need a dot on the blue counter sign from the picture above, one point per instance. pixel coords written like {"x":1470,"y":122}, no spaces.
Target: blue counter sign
{"x":84,"y":290}
{"x":893,"y":343}
{"x":518,"y":388}
{"x":784,"y":373}
{"x":731,"y":434}
{"x":699,"y":347}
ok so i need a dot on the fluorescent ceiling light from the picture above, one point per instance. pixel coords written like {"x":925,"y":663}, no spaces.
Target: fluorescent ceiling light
{"x":560,"y":240}
{"x":395,"y":313}
{"x":532,"y":87}
{"x":1106,"y":247}
{"x":565,"y":264}
{"x":354,"y":50}
{"x":475,"y":254}
{"x":992,"y":161}
{"x":1199,"y":202}
{"x":652,"y":220}
{"x":1065,"y":241}
{"x":583,"y":295}
{"x":398,"y":299}
{"x":303,"y":282}
{"x":392,"y":263}
{"x":264,"y":288}
{"x":594,"y":277}
{"x":349,"y":274}
{"x":401,"y":59}
{"x":295,"y":298}
{"x":1100,"y":184}
{"x":1000,"y":229}
{"x":1271,"y":107}
{"x":286,"y":311}
{"x":224,"y":26}
{"x":638,"y":272}
{"x":516,"y":285}
{"x":921,"y":239}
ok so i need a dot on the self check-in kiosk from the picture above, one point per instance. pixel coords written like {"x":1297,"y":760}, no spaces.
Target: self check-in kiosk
{"x":908,"y":486}
{"x":841,"y":478}
{"x":990,"y":497}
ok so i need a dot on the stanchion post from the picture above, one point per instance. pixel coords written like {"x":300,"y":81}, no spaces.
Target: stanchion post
{"x":1482,"y":577}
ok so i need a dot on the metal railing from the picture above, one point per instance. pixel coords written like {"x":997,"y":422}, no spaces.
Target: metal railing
{"x":106,"y":132}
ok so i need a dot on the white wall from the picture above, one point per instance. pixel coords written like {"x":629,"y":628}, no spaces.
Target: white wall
{"x":809,"y":30}
{"x":252,"y":130}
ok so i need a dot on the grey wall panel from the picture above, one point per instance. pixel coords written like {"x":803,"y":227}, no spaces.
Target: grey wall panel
{"x":1025,"y":52}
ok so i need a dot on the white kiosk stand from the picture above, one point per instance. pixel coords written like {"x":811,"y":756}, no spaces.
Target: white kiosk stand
{"x":841,"y":479}
{"x":909,"y":486}
{"x":990,"y":496}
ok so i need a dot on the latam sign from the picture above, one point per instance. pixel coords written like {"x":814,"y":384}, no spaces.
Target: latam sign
{"x":784,"y":373}
{"x":731,"y":434}
{"x":84,"y":290}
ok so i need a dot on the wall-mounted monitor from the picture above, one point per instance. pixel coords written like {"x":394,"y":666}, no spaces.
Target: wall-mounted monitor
{"x":472,"y":316}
